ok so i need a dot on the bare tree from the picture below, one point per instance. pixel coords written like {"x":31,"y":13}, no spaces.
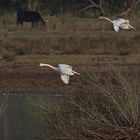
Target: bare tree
{"x":29,"y":7}
{"x":92,"y":4}
{"x":128,"y":10}
{"x":32,"y":5}
{"x":35,"y":5}
{"x":116,"y":8}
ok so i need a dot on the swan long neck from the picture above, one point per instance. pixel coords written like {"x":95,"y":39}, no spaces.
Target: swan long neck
{"x":48,"y":65}
{"x":106,"y":19}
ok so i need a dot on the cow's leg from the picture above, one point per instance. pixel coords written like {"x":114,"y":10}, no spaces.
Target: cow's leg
{"x":37,"y":24}
{"x":20,"y":23}
{"x":33,"y":24}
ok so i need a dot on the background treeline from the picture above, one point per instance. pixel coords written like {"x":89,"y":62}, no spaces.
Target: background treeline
{"x":78,"y":7}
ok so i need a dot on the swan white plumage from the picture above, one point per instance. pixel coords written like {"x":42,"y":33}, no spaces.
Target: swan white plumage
{"x":64,"y":69}
{"x":119,"y":23}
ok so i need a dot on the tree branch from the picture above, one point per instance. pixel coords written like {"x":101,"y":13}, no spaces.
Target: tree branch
{"x":129,"y":9}
{"x":92,"y":5}
{"x":89,"y":6}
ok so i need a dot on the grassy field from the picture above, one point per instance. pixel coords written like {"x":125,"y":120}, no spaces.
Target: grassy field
{"x":105,"y":95}
{"x":80,"y":42}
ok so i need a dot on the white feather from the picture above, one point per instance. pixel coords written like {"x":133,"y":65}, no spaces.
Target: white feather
{"x":119,"y":23}
{"x":64,"y":69}
{"x":65,"y":78}
{"x":116,"y":28}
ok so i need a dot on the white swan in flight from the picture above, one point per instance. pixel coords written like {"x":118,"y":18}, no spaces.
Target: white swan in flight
{"x":119,"y":23}
{"x":64,"y":69}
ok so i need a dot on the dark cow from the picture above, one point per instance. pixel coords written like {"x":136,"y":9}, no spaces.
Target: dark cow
{"x":29,"y":16}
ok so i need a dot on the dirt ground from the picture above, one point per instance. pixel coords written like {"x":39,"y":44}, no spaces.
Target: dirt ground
{"x":32,"y":78}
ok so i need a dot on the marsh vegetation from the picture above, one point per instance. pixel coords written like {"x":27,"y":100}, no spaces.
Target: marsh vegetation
{"x":103,"y":103}
{"x":107,"y":107}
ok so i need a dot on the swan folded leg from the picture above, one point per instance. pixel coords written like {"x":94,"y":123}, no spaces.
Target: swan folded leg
{"x":132,"y":27}
{"x":76,"y":72}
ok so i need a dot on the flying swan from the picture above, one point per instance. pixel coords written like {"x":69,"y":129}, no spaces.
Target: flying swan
{"x":64,"y":69}
{"x":119,"y":23}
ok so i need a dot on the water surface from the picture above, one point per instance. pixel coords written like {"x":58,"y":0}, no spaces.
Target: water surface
{"x":28,"y":117}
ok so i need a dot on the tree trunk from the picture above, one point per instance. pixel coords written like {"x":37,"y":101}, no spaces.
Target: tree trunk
{"x":94,"y":5}
{"x":126,"y":12}
{"x":35,"y":5}
{"x":30,"y":5}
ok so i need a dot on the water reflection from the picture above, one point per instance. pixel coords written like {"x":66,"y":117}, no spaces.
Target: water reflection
{"x":29,"y":117}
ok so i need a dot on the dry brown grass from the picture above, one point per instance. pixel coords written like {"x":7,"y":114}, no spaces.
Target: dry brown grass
{"x":107,"y":107}
{"x":68,"y":36}
{"x":108,"y":104}
{"x":103,"y":43}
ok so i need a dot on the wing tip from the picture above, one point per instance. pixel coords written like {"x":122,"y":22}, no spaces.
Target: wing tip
{"x":65,"y":79}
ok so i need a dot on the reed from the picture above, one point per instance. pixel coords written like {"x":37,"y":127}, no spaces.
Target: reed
{"x":108,"y":107}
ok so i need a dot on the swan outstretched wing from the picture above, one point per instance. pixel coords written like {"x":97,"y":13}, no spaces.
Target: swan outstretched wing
{"x":121,"y":20}
{"x":65,"y":69}
{"x":65,"y":78}
{"x":117,"y":23}
{"x":64,"y":66}
{"x":116,"y":28}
